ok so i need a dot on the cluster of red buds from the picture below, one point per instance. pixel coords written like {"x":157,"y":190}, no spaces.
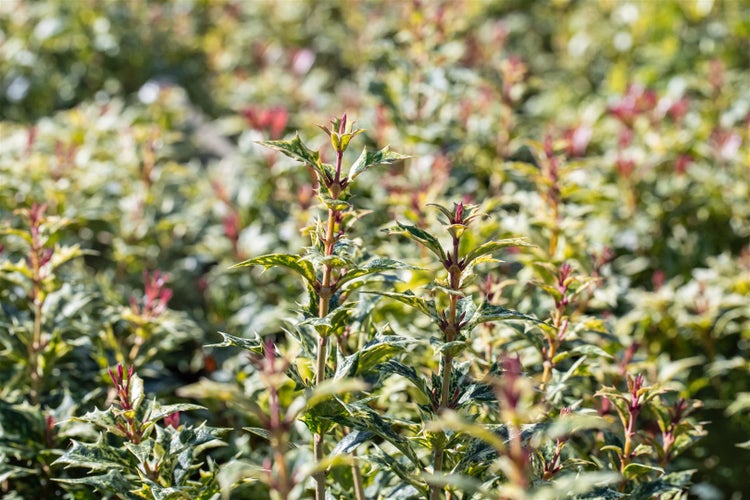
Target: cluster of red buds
{"x":156,"y":296}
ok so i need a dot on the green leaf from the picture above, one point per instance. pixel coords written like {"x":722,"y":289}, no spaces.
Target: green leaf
{"x":259,"y":431}
{"x":576,"y":422}
{"x":581,"y":484}
{"x":375,"y":266}
{"x":368,"y":160}
{"x":159,"y":412}
{"x":372,"y":353}
{"x":585,"y":350}
{"x":111,"y":482}
{"x":331,"y":387}
{"x":420,"y":236}
{"x":389,"y":463}
{"x":393,"y":367}
{"x":488,"y":313}
{"x":331,"y":203}
{"x":673,"y":482}
{"x":362,"y":417}
{"x":293,"y":262}
{"x":451,"y":420}
{"x":351,"y":441}
{"x":460,"y":482}
{"x":636,"y":471}
{"x":493,"y":246}
{"x":296,"y":150}
{"x":425,"y":306}
{"x":136,"y":391}
{"x":98,"y":456}
{"x":465,"y":308}
{"x":453,"y":348}
{"x":333,"y":322}
{"x":254,"y":345}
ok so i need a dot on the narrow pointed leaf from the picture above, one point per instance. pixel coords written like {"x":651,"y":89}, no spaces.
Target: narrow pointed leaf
{"x":364,"y":418}
{"x":487,"y":313}
{"x":493,"y":246}
{"x":375,"y":266}
{"x":95,"y":456}
{"x":425,"y":306}
{"x":636,"y":470}
{"x":302,"y":267}
{"x":374,"y":352}
{"x":254,"y":345}
{"x":351,"y":441}
{"x":393,"y":367}
{"x":466,"y":308}
{"x":160,"y":412}
{"x":368,"y":160}
{"x":420,"y":236}
{"x":296,"y":150}
{"x":111,"y":482}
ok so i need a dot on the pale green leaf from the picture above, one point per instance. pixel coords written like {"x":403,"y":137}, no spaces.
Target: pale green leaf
{"x":368,"y":160}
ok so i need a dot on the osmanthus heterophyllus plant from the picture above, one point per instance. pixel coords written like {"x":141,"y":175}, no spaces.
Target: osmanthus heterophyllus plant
{"x":476,"y":432}
{"x":333,"y":268}
{"x":44,"y":331}
{"x":143,"y":450}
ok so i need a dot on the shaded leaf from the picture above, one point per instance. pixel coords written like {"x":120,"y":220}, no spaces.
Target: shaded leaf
{"x":254,"y":345}
{"x":350,"y":442}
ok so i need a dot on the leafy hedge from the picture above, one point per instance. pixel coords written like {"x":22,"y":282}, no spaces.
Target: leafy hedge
{"x":605,"y":355}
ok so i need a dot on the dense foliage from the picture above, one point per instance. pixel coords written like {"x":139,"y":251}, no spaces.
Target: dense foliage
{"x":540,"y":291}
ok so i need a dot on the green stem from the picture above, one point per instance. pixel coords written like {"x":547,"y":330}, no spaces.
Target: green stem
{"x":35,"y":345}
{"x":320,"y":371}
{"x":451,"y":332}
{"x":34,"y":348}
{"x":323,"y":306}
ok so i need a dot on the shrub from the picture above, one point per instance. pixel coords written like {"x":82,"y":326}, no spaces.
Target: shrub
{"x":598,"y":149}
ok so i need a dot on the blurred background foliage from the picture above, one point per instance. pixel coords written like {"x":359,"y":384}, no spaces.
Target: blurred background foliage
{"x":136,"y":120}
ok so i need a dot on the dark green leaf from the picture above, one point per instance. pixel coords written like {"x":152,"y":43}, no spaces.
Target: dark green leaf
{"x":488,"y":313}
{"x":113,"y":482}
{"x":425,"y":306}
{"x":364,"y":418}
{"x":351,"y":441}
{"x":673,"y":482}
{"x":372,"y":353}
{"x":393,"y":367}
